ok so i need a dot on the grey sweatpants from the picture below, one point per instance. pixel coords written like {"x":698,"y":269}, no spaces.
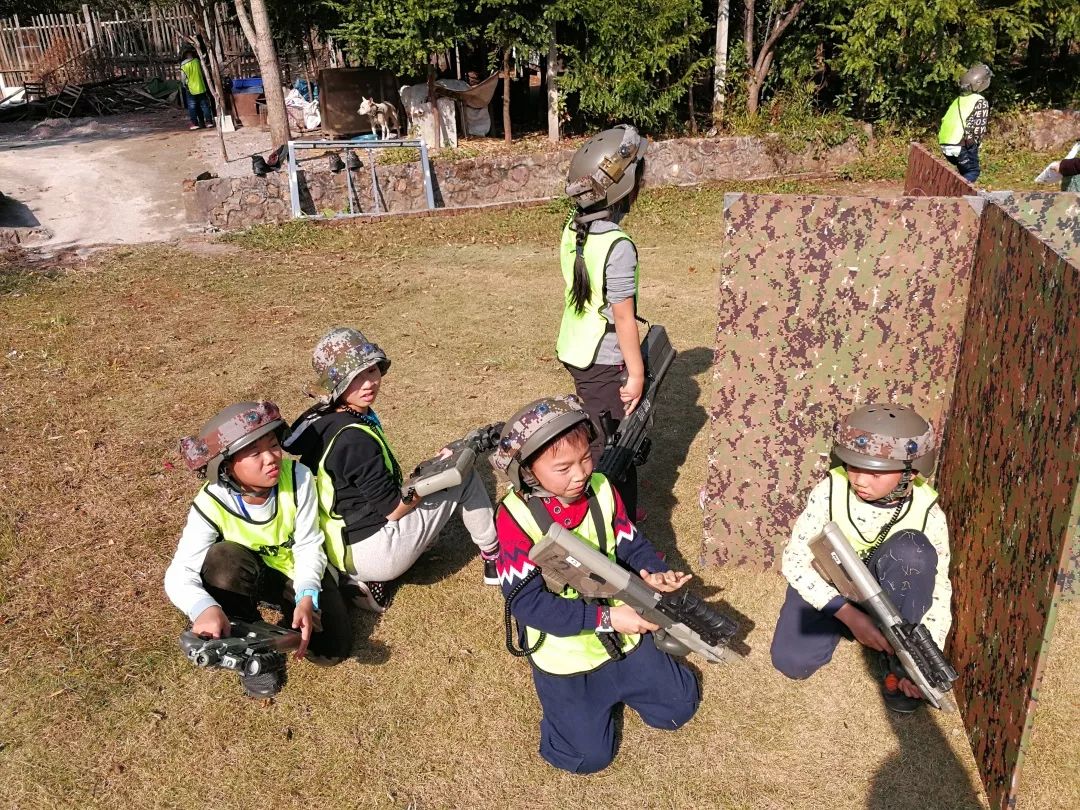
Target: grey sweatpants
{"x":392,"y":550}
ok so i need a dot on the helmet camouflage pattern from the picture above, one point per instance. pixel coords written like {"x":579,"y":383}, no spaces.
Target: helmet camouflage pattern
{"x":886,"y":437}
{"x":340,"y":355}
{"x":606,"y":167}
{"x":530,"y":429}
{"x":976,"y":78}
{"x":228,"y":431}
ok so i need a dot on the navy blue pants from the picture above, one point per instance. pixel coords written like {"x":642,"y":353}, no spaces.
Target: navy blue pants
{"x":905,"y":565}
{"x":967,"y":162}
{"x":577,"y":732}
{"x":198,"y":109}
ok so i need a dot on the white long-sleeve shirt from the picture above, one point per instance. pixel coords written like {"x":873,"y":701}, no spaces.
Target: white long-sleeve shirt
{"x":183,"y":579}
{"x":797,"y":560}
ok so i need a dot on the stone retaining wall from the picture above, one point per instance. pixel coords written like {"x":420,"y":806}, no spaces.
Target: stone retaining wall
{"x":238,"y":202}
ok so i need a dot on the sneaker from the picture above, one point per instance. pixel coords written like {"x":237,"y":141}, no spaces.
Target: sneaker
{"x":895,"y":700}
{"x":374,"y":597}
{"x":194,"y":126}
{"x":491,"y":575}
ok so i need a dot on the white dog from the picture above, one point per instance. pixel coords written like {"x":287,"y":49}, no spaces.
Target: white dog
{"x":382,"y":114}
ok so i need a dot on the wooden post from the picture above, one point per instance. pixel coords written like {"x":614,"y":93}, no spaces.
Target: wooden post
{"x":553,"y":87}
{"x":435,"y":117}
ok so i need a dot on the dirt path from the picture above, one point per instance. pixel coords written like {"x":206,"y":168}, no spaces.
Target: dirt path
{"x":103,"y":181}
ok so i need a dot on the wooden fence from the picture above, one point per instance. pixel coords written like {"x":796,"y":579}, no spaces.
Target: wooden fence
{"x":68,"y":48}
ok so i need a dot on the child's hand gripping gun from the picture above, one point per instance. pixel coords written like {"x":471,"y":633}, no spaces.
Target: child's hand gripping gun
{"x":252,"y":648}
{"x":687,"y":623}
{"x":923,"y":662}
{"x":627,"y":443}
{"x":447,"y":470}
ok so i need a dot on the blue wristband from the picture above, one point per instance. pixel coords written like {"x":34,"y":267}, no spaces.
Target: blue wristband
{"x":314,"y":594}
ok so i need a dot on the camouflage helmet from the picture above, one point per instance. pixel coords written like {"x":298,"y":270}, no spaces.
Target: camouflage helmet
{"x":886,"y":437}
{"x":229,"y":431}
{"x":606,"y":167}
{"x":530,"y":429}
{"x":976,"y":78}
{"x":340,"y":355}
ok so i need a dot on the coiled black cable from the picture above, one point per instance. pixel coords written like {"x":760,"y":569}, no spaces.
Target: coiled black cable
{"x":509,"y":619}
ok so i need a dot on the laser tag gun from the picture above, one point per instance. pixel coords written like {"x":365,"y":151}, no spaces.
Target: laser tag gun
{"x":437,"y":474}
{"x":687,"y":623}
{"x":627,"y":443}
{"x":252,"y":648}
{"x":923,"y":662}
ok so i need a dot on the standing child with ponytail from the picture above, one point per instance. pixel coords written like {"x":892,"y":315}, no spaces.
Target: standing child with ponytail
{"x":598,"y":338}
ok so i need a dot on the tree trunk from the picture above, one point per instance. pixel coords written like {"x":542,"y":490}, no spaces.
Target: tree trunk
{"x":507,"y":136}
{"x":723,"y":17}
{"x":553,"y":88}
{"x":257,"y":31}
{"x":436,"y":118}
{"x":759,"y":69}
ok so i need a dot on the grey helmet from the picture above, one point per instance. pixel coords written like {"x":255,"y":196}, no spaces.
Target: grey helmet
{"x":226,"y":433}
{"x":887,"y":438}
{"x":606,"y":168}
{"x":340,"y":355}
{"x":976,"y":78}
{"x":528,"y":430}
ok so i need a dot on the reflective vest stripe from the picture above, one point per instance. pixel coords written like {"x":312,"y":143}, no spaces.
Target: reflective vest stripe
{"x":580,"y":334}
{"x":331,"y":523}
{"x":951,"y":132}
{"x":271,"y":539}
{"x":923,"y":497}
{"x":577,"y":654}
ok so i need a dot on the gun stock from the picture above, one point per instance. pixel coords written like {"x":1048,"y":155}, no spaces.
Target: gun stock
{"x":836,"y":561}
{"x":687,"y":623}
{"x":629,"y":445}
{"x":436,"y":474}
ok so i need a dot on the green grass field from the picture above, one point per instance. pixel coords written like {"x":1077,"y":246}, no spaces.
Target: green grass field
{"x":106,"y":363}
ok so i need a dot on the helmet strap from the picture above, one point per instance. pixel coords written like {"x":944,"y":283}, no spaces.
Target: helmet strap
{"x":226,"y":479}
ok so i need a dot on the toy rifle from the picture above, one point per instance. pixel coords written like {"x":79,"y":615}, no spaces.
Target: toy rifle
{"x":687,"y":623}
{"x":627,"y":443}
{"x":923,"y":662}
{"x":252,"y":648}
{"x":437,"y":474}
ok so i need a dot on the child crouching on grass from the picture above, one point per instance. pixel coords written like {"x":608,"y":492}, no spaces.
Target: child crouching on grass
{"x":252,"y":535}
{"x":889,"y":514}
{"x":544,"y":451}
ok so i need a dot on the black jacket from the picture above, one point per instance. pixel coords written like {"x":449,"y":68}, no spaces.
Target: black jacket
{"x":365,"y":492}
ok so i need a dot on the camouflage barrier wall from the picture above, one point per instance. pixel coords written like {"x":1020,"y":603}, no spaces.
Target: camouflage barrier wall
{"x":929,"y":175}
{"x":825,"y":303}
{"x":1008,"y":477}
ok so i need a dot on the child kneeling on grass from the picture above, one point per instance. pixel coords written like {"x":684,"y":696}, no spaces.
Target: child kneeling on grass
{"x":544,"y":451}
{"x":252,"y":535}
{"x":372,"y":535}
{"x":889,"y":514}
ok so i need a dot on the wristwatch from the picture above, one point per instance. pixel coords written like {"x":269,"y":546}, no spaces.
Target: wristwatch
{"x":314,"y":594}
{"x":604,"y":620}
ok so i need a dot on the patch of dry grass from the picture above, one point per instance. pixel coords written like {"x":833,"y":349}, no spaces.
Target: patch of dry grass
{"x":104,"y":366}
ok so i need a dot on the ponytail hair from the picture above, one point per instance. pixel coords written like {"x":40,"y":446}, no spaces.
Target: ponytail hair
{"x":580,"y":289}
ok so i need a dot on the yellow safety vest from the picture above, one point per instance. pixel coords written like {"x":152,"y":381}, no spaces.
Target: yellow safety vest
{"x":580,"y":333}
{"x":196,"y":84}
{"x":923,"y":497}
{"x":331,"y":523}
{"x":271,"y":539}
{"x":951,"y":132}
{"x":581,"y":653}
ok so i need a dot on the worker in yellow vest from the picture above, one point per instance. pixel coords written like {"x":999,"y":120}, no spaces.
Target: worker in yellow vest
{"x":598,"y":337}
{"x":964,"y":124}
{"x":879,"y":497}
{"x":587,"y":658}
{"x":252,"y":535}
{"x":196,"y":91}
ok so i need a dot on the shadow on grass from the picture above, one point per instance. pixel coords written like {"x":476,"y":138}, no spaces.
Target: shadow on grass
{"x":678,"y":420}
{"x":926,"y":773}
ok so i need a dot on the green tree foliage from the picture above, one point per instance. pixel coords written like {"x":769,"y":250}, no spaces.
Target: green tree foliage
{"x":400,"y":35}
{"x":900,"y":59}
{"x":632,"y":59}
